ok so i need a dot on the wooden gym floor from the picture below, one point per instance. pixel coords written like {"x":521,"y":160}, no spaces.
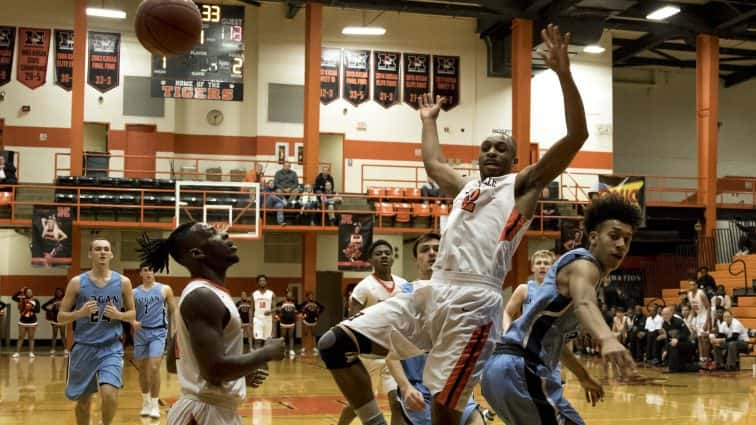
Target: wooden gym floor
{"x":300,"y":391}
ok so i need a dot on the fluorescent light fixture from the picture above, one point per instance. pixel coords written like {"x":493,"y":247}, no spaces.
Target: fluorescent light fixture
{"x":363,"y":31}
{"x":663,"y":13}
{"x":106,"y":13}
{"x":594,"y":49}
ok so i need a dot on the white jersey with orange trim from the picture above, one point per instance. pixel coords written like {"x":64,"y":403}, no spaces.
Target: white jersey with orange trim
{"x":371,"y":290}
{"x":193,"y":386}
{"x":263,"y":303}
{"x":482,"y":233}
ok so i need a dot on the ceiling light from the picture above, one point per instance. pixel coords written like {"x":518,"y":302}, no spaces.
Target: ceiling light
{"x":663,"y":13}
{"x":363,"y":31}
{"x":106,"y":13}
{"x":594,"y":49}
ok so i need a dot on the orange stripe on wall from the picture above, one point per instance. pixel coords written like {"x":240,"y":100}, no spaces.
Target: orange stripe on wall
{"x":57,"y":137}
{"x":593,"y":159}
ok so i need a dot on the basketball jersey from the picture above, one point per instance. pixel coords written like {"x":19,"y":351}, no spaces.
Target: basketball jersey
{"x":263,"y":303}
{"x":372,"y":290}
{"x":288,"y":313}
{"x":548,"y":319}
{"x":150,"y":306}
{"x":229,"y":393}
{"x":482,"y":233}
{"x":96,"y":328}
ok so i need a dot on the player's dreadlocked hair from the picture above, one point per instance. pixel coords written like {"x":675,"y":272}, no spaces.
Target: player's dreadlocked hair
{"x":156,"y":253}
{"x":611,"y":207}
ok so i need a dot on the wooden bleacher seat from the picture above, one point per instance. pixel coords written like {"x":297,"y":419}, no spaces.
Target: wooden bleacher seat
{"x":237,"y":175}
{"x":402,"y":210}
{"x":412,"y":193}
{"x":375,"y":193}
{"x":421,"y":214}
{"x":6,"y":198}
{"x":214,"y":174}
{"x":438,"y":210}
{"x":394,"y":193}
{"x":386,"y":213}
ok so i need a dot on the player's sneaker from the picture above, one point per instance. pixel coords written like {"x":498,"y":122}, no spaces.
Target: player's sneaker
{"x":146,"y":407}
{"x":31,"y":355}
{"x":154,"y":412}
{"x":16,"y":355}
{"x":292,"y":354}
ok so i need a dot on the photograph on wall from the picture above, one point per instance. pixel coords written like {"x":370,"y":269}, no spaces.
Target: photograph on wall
{"x":573,"y":236}
{"x":104,"y":59}
{"x":33,"y":49}
{"x":299,"y":149}
{"x":7,"y":46}
{"x":356,"y":76}
{"x":282,"y":152}
{"x":355,"y":237}
{"x":64,"y":44}
{"x":330,"y":67}
{"x":51,"y":236}
{"x":631,"y":188}
{"x":386,"y":80}
{"x":446,"y":80}
{"x":416,"y":79}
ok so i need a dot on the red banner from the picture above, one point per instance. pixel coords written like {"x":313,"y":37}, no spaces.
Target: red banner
{"x":33,"y":49}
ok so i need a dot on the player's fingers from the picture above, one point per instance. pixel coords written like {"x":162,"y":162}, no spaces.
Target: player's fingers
{"x":567,"y":38}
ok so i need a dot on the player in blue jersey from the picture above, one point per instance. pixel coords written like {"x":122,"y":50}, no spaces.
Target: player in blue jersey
{"x":519,"y":381}
{"x":93,"y":301}
{"x":150,"y":333}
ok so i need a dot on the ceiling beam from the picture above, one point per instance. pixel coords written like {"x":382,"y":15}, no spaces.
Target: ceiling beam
{"x":679,"y":47}
{"x":645,"y":42}
{"x":740,"y":76}
{"x":292,"y":8}
{"x":736,"y":20}
{"x":677,"y":64}
{"x":412,"y":6}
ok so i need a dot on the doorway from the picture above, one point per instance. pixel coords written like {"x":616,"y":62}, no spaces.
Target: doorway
{"x":332,"y":151}
{"x":141,"y":146}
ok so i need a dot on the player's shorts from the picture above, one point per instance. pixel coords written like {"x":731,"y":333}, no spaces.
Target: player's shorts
{"x":377,"y":368}
{"x":456,"y":324}
{"x":525,"y":394}
{"x":262,"y":328}
{"x":149,"y":343}
{"x":90,"y":366}
{"x":423,"y":417}
{"x":187,"y":411}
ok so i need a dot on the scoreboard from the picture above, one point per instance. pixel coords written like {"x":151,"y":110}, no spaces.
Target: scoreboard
{"x":214,"y":68}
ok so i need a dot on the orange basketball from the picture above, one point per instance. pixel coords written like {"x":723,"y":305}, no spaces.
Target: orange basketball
{"x":168,"y":27}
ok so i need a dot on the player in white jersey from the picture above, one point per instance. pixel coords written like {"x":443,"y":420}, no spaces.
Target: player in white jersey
{"x":262,"y":319}
{"x":458,"y":317}
{"x":211,"y":366}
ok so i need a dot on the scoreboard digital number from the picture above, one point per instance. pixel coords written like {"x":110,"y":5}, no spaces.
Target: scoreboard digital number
{"x":214,"y":68}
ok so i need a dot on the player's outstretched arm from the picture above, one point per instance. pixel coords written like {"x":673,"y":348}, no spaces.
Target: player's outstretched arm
{"x":534,"y":178}
{"x":207,"y":317}
{"x":593,"y":390}
{"x":435,"y":163}
{"x":514,"y":306}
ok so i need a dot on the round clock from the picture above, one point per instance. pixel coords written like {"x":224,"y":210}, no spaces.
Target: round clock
{"x":214,"y":117}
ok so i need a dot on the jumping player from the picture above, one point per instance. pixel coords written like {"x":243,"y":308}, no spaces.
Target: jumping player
{"x":310,"y":310}
{"x":93,"y":300}
{"x":262,"y":320}
{"x":211,"y":366}
{"x":458,"y":317}
{"x":150,"y":333}
{"x":520,"y":381}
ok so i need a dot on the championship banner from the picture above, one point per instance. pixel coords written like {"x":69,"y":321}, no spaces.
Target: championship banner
{"x":7,"y":46}
{"x":629,"y":284}
{"x":355,"y":237}
{"x":386,"y":80}
{"x":446,"y":80}
{"x":631,"y":188}
{"x":51,"y":236}
{"x":64,"y":44}
{"x":33,"y":48}
{"x":104,"y":58}
{"x":356,"y":76}
{"x":330,"y":67}
{"x":416,"y":77}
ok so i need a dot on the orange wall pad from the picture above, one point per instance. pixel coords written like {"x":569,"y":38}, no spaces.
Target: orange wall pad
{"x":57,"y":137}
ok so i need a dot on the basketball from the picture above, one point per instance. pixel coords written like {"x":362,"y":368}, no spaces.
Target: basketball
{"x":168,"y":27}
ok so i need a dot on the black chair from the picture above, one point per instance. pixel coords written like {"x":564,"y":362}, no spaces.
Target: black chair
{"x":125,"y":182}
{"x":166,"y":184}
{"x":146,"y":183}
{"x":104,"y":181}
{"x":87,"y":181}
{"x":67,"y":181}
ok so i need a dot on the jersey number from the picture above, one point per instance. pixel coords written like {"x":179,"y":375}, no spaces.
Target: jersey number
{"x":468,"y":204}
{"x":96,"y":317}
{"x":261,"y":304}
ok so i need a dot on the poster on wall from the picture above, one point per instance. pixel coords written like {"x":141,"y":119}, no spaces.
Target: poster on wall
{"x":64,"y":43}
{"x":628,"y":285}
{"x":330,"y":67}
{"x":282,"y":152}
{"x":355,"y":237}
{"x":299,"y":149}
{"x":7,"y":46}
{"x":104,"y":59}
{"x":356,"y":76}
{"x":572,"y":236}
{"x":446,"y":80}
{"x":631,"y":188}
{"x":416,"y":77}
{"x":51,"y":236}
{"x":33,"y":49}
{"x":386,"y":80}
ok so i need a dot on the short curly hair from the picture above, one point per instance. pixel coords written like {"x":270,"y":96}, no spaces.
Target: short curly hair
{"x":611,"y":207}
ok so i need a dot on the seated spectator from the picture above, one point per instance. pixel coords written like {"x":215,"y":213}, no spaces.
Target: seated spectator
{"x":701,"y":326}
{"x":621,"y":325}
{"x":430,"y":189}
{"x":677,"y":339}
{"x":7,"y":172}
{"x":747,"y":242}
{"x":330,"y":200}
{"x":720,"y":300}
{"x":706,"y":282}
{"x":636,"y":335}
{"x":274,"y":201}
{"x":286,"y":179}
{"x":308,"y":201}
{"x":684,"y":301}
{"x":731,"y":339}
{"x":687,"y":315}
{"x":323,"y":178}
{"x":653,"y":329}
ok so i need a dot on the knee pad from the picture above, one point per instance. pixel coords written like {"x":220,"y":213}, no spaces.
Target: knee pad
{"x":340,"y":347}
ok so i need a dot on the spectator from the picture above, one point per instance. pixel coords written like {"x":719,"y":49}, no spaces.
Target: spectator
{"x":747,"y":242}
{"x":689,"y":318}
{"x":732,"y":339}
{"x":636,"y":336}
{"x":28,"y":307}
{"x":286,"y":179}
{"x":330,"y":199}
{"x":684,"y":301}
{"x":706,"y":282}
{"x":549,"y":209}
{"x":274,"y":202}
{"x":720,"y":300}
{"x":323,"y":178}
{"x":621,"y":325}
{"x":653,"y":327}
{"x":701,"y":325}
{"x":430,"y":189}
{"x":677,"y":338}
{"x":7,"y":171}
{"x":308,"y":201}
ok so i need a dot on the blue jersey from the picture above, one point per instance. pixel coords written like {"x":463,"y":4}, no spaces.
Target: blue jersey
{"x":548,"y":318}
{"x":150,"y":306}
{"x":96,"y":328}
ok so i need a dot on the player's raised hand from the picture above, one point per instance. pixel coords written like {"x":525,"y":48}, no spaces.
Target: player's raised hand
{"x":555,"y":55}
{"x":428,"y":108}
{"x":257,"y":378}
{"x":275,"y":349}
{"x":594,"y":392}
{"x":90,"y":307}
{"x":112,"y":312}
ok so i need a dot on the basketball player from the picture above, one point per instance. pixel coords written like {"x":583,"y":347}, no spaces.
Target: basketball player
{"x":414,"y":397}
{"x":211,"y":366}
{"x":244,"y":305}
{"x":286,"y":314}
{"x":520,"y":381}
{"x":540,"y":262}
{"x":262,"y":320}
{"x":458,"y":317}
{"x":51,"y":308}
{"x":373,"y":289}
{"x":150,"y":333}
{"x":93,"y":301}
{"x":310,"y":310}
